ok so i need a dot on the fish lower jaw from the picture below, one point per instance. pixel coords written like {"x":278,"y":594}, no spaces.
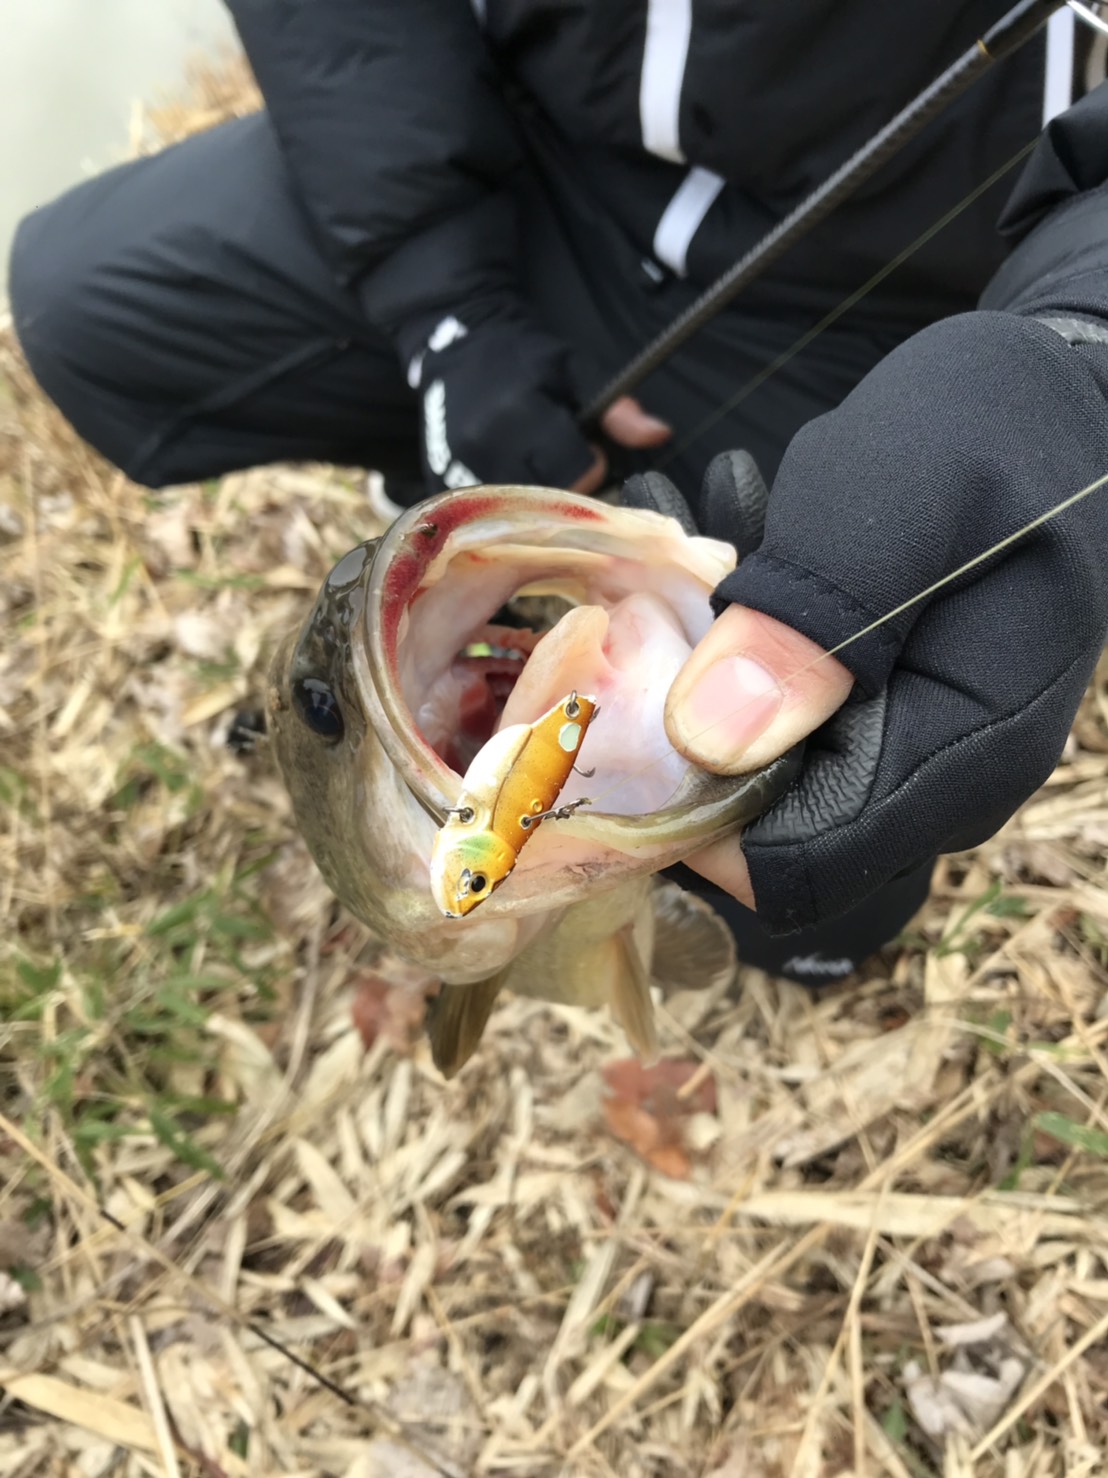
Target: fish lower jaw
{"x":462,"y":951}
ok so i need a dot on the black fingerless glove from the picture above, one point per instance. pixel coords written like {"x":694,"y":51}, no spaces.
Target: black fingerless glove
{"x":498,"y":401}
{"x":963,"y":701}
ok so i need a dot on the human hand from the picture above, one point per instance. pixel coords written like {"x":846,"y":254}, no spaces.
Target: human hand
{"x":499,"y":407}
{"x":959,"y":705}
{"x":627,"y":423}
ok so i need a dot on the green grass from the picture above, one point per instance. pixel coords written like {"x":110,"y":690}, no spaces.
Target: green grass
{"x":107,"y":1029}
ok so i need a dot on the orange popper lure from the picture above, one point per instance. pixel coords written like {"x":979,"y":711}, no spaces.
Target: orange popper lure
{"x":511,"y":786}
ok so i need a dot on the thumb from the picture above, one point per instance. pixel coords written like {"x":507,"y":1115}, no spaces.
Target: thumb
{"x":750,"y":691}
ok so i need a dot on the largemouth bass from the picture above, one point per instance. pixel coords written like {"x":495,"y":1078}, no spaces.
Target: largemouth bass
{"x":400,"y":675}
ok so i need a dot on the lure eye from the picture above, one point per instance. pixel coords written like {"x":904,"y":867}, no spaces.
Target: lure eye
{"x":478,"y":882}
{"x":318,"y":708}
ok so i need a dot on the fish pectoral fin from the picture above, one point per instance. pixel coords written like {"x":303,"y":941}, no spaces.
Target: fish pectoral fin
{"x":629,"y":995}
{"x":693,"y":947}
{"x":457,"y":1020}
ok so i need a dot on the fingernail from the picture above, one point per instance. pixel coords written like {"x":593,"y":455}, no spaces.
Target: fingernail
{"x":732,"y":702}
{"x":656,"y":430}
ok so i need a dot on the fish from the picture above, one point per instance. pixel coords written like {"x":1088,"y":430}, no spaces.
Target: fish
{"x":412,"y":659}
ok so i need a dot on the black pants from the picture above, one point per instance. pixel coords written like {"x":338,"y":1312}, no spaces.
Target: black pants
{"x":181,"y":314}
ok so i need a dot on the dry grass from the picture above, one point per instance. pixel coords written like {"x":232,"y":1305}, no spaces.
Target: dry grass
{"x":890,"y":1257}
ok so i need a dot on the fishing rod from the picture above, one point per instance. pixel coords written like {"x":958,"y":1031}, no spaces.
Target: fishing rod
{"x":1090,"y":17}
{"x":745,"y":390}
{"x":1001,"y":40}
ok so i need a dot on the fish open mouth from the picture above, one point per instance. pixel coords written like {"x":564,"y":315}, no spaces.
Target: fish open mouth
{"x":622,"y":599}
{"x":463,"y":708}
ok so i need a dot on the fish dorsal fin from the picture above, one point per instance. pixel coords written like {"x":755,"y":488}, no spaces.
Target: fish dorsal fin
{"x":457,"y":1019}
{"x":693,"y":947}
{"x":629,"y":995}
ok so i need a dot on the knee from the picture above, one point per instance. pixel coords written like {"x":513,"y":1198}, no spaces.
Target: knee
{"x":43,"y":273}
{"x":46,"y":290}
{"x":25,"y":285}
{"x":68,"y":326}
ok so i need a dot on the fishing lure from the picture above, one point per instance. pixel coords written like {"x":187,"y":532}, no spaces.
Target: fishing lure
{"x":509,"y":789}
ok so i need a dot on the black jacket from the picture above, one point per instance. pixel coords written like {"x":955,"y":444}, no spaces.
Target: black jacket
{"x":405,"y":124}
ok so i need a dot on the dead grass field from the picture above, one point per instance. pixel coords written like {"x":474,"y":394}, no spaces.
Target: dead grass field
{"x":890,"y":1253}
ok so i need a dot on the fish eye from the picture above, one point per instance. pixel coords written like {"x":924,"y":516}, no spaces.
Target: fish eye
{"x":478,"y":882}
{"x":318,"y":708}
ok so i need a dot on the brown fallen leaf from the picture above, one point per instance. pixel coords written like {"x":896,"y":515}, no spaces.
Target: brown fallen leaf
{"x":391,"y":1002}
{"x":645,"y":1107}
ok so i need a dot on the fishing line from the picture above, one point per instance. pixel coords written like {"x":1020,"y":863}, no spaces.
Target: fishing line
{"x":801,"y":343}
{"x":720,"y":412}
{"x":1011,"y":31}
{"x":906,"y":605}
{"x":714,"y":417}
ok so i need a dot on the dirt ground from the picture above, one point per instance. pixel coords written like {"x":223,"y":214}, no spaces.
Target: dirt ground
{"x":858,"y":1234}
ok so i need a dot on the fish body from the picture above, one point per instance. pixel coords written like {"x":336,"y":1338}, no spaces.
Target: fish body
{"x":374,"y":703}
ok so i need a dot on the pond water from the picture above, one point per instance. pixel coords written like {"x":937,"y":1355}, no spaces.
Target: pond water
{"x":70,"y":72}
